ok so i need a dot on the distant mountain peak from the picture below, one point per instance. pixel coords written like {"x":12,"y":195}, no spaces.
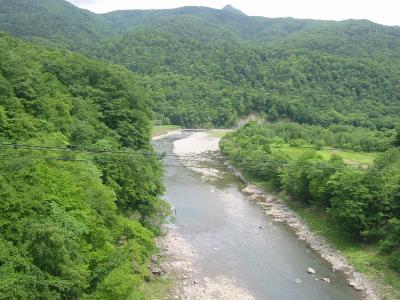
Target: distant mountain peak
{"x":231,"y":9}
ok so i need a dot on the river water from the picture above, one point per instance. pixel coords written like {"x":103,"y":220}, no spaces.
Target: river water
{"x":233,"y":238}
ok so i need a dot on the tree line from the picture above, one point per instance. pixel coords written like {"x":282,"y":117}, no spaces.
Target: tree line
{"x":362,"y":202}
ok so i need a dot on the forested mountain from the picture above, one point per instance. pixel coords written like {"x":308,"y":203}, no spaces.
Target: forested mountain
{"x":79,"y":182}
{"x":209,"y":67}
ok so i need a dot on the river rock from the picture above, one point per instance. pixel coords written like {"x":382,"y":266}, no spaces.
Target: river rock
{"x":156,"y":270}
{"x":154,"y":259}
{"x":356,"y":286}
{"x":327,"y":280}
{"x":310,"y":271}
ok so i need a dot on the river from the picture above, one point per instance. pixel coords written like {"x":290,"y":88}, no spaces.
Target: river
{"x":235,"y":239}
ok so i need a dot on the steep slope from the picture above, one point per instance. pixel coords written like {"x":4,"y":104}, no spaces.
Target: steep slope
{"x":216,"y":74}
{"x":55,"y":19}
{"x":75,"y":163}
{"x":206,"y":67}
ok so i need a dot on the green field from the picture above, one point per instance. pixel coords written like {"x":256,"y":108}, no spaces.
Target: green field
{"x":163,"y":129}
{"x":218,"y":133}
{"x":295,"y":152}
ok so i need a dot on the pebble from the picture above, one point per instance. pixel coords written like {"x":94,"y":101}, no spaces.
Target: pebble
{"x":310,"y":271}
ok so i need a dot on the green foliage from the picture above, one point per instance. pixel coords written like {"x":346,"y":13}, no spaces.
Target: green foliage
{"x":394,"y":261}
{"x":396,"y":142}
{"x":364,"y":203}
{"x":84,"y":228}
{"x":74,"y":223}
{"x":205,"y":67}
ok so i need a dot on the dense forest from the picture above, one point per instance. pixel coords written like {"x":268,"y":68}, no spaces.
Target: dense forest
{"x":206,"y":67}
{"x":362,"y":201}
{"x":80,"y":183}
{"x":79,"y":180}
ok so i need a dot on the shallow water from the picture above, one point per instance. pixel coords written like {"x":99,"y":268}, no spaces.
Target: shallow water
{"x":222,"y":225}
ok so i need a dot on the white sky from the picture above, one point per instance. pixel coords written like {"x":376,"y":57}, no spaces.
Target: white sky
{"x":380,"y":11}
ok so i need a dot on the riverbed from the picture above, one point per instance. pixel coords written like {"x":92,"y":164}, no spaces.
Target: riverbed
{"x":229,"y":238}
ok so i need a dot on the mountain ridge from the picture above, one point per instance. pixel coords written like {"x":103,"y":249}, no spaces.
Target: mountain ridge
{"x":230,"y":8}
{"x":41,"y":13}
{"x":224,"y":65}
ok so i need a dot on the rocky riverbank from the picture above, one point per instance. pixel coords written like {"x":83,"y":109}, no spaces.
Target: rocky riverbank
{"x":274,"y":207}
{"x":177,"y":258}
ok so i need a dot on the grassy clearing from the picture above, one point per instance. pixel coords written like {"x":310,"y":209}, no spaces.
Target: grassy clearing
{"x":358,"y":157}
{"x":163,"y":129}
{"x":218,"y":133}
{"x":295,"y":152}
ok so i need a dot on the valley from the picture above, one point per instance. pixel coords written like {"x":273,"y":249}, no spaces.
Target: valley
{"x":258,"y":147}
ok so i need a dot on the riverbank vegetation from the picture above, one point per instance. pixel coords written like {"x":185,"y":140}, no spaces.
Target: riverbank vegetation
{"x":361,"y":202}
{"x":79,"y":181}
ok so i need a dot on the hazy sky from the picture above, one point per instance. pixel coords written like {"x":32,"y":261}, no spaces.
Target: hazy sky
{"x":381,"y":11}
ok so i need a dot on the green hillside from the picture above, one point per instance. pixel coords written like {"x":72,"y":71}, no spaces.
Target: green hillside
{"x":220,"y":65}
{"x":79,"y":181}
{"x":53,"y":18}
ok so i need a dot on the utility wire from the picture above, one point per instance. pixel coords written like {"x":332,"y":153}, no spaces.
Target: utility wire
{"x":14,"y":146}
{"x":220,"y":167}
{"x":109,"y":161}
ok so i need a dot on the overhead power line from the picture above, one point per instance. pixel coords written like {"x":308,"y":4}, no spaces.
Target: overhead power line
{"x":15,"y":146}
{"x":221,"y":166}
{"x":105,"y":160}
{"x":192,"y":157}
